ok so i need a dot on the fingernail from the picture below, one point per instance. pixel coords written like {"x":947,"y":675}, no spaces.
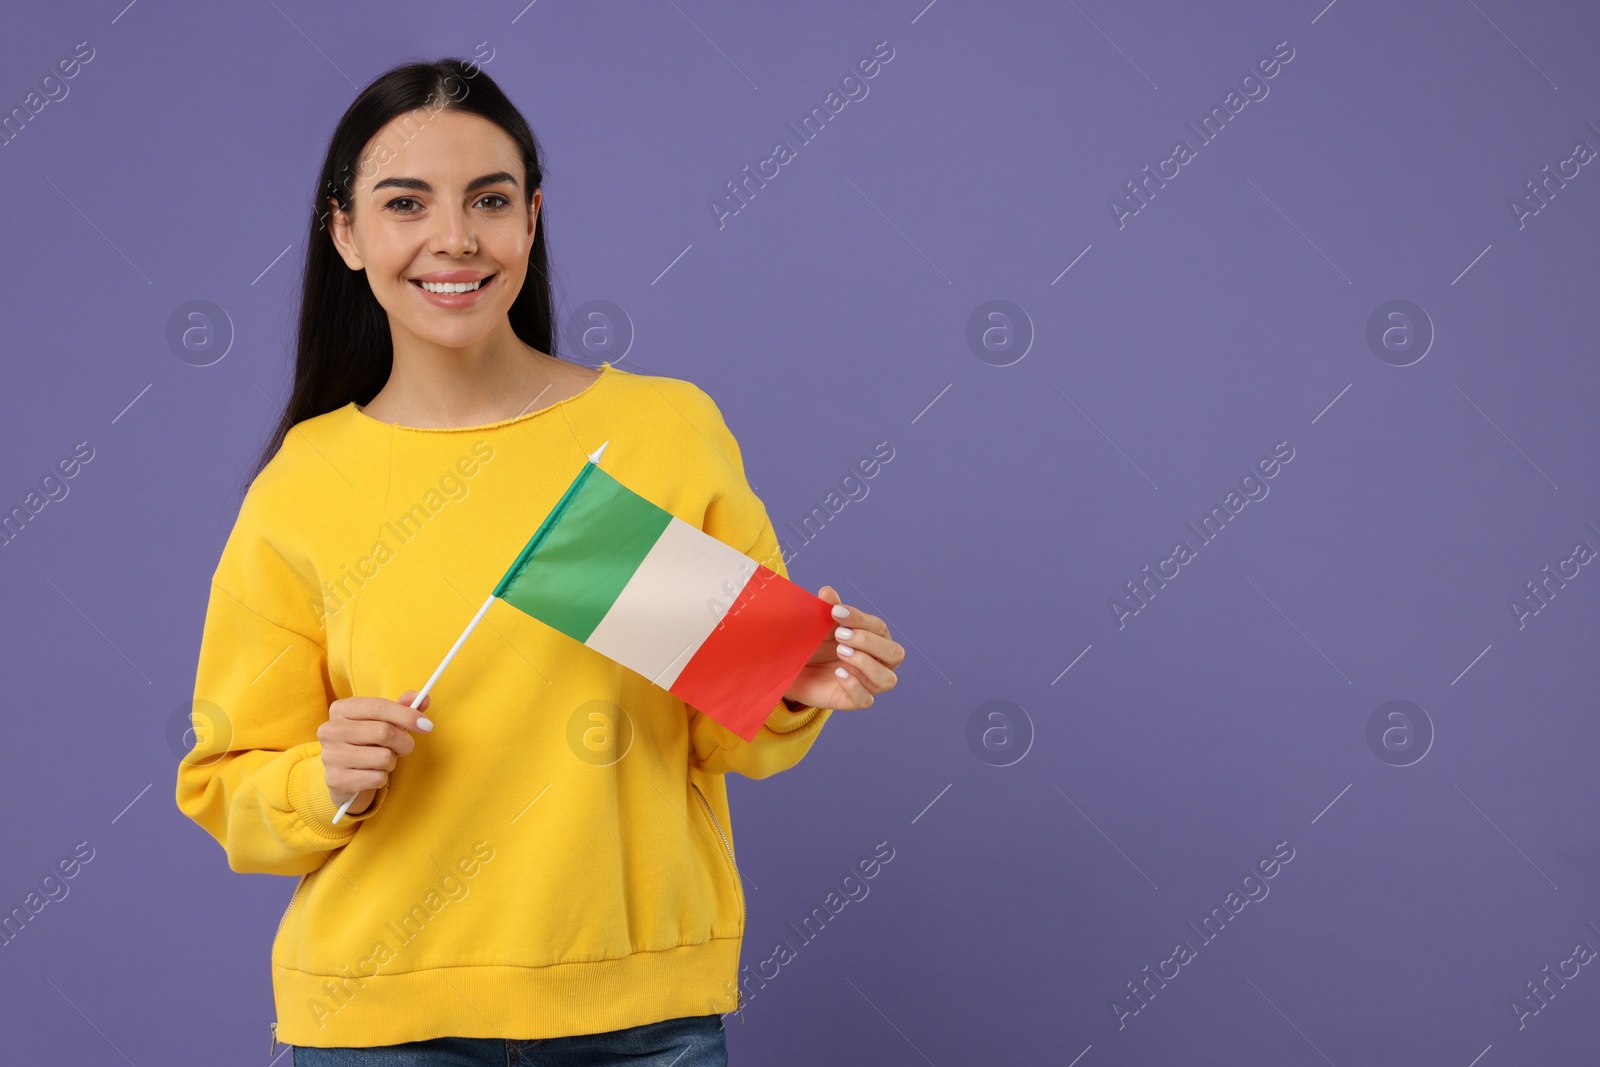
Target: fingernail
{"x":424,"y":723}
{"x":846,"y":650}
{"x":843,"y":633}
{"x":840,"y":611}
{"x":841,"y":672}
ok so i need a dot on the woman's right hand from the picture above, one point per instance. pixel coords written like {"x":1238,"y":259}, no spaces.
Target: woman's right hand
{"x":363,"y":740}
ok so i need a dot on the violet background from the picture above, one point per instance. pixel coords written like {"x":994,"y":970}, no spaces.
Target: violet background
{"x":832,"y":313}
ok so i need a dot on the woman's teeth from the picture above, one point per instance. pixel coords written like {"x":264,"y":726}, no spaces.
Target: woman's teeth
{"x":453,"y":287}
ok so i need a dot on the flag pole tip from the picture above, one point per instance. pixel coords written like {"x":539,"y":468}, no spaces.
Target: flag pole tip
{"x":595,"y":456}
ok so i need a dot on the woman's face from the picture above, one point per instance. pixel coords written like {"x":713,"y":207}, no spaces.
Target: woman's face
{"x":438,"y":197}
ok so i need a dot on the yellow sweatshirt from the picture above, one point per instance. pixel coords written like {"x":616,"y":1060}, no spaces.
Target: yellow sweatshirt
{"x":556,"y":856}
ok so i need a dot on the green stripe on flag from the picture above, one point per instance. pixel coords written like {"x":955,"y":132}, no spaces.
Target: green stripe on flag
{"x":576,"y":564}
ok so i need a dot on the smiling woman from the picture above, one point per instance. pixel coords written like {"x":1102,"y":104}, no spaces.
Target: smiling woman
{"x":445,"y":233}
{"x":609,"y":928}
{"x":430,"y":304}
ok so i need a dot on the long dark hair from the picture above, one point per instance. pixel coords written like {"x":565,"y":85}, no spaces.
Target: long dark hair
{"x":344,"y":351}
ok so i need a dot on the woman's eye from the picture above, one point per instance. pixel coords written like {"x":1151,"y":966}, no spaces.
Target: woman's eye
{"x":495,"y":201}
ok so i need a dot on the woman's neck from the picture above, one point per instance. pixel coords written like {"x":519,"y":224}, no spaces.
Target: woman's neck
{"x":501,"y":378}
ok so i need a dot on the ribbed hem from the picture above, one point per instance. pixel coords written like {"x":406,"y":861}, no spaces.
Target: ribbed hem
{"x":784,"y":721}
{"x":514,"y":1003}
{"x":308,"y":795}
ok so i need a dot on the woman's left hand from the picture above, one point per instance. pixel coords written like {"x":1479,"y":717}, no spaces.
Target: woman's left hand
{"x":845,"y":671}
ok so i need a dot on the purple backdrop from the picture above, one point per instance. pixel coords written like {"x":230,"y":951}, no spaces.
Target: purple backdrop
{"x":1380,"y":262}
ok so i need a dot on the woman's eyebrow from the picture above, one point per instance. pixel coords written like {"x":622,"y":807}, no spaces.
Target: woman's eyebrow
{"x":421,"y":186}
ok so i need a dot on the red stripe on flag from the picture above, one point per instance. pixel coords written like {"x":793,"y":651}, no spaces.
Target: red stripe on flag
{"x":750,"y":660}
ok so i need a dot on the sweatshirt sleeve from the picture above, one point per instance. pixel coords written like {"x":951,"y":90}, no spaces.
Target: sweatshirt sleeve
{"x":254,"y":779}
{"x":737,"y":517}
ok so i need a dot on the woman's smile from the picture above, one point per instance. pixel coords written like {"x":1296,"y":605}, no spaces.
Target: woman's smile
{"x":442,"y":290}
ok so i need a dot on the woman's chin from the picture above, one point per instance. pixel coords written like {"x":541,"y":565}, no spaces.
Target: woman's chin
{"x":461,"y":334}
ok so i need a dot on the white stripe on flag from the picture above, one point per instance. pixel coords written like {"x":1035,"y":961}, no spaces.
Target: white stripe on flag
{"x":661,"y":618}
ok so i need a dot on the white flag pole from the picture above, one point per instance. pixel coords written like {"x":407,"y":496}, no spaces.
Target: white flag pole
{"x":436,"y":672}
{"x":594,"y":457}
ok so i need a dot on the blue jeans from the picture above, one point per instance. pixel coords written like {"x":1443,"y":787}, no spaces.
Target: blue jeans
{"x":694,"y":1041}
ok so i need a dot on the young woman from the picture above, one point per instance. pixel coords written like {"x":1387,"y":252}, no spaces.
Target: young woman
{"x":544,"y":872}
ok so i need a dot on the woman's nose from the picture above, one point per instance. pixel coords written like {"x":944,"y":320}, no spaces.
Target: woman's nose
{"x":454,"y":233}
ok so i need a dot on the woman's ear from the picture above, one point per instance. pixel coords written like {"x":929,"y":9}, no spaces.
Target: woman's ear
{"x":339,"y":223}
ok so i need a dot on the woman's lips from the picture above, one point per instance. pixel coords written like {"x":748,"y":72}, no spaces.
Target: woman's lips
{"x":455,"y":300}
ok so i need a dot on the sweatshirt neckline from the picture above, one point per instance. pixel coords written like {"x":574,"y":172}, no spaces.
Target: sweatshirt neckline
{"x":606,"y":371}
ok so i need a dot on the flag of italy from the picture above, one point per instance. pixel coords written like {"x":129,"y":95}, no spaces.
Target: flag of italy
{"x":632,"y":581}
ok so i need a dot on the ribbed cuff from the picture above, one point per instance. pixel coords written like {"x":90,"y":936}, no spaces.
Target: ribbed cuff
{"x":784,"y":721}
{"x":308,"y":795}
